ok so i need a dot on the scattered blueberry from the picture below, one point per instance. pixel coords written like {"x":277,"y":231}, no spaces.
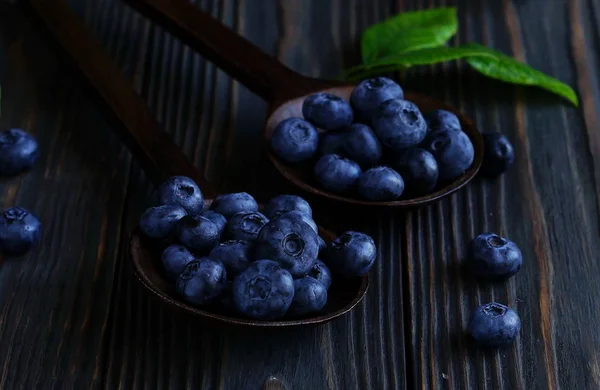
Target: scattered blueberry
{"x":245,"y":225}
{"x":494,"y":257}
{"x":281,"y":204}
{"x":337,"y":174}
{"x":442,"y":120}
{"x":198,"y":233}
{"x":294,"y":140}
{"x":181,"y":191}
{"x":202,"y":281}
{"x":263,"y":291}
{"x":399,"y":124}
{"x":327,"y":111}
{"x":290,"y":242}
{"x":453,"y":152}
{"x":235,"y":255}
{"x":174,"y":260}
{"x":300,"y":216}
{"x":352,"y":254}
{"x":418,"y":168}
{"x":310,"y":296}
{"x":321,"y":272}
{"x":498,"y":154}
{"x":18,"y":152}
{"x":229,"y":204}
{"x":332,"y":142}
{"x":494,"y":325}
{"x":362,"y":145}
{"x":370,"y":93}
{"x":380,"y":184}
{"x":217,"y":219}
{"x":161,"y":221}
{"x":20,"y":231}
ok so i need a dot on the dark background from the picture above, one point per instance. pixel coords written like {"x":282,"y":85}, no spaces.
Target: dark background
{"x":72,"y":315}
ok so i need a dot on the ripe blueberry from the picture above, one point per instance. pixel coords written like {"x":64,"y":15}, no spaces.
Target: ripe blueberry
{"x":161,"y":221}
{"x":399,"y":124}
{"x":498,"y":154}
{"x":18,"y":152}
{"x":494,"y":325}
{"x":174,"y":260}
{"x":321,"y":273}
{"x":380,"y":184}
{"x":217,"y":219}
{"x":202,"y":281}
{"x":19,"y":231}
{"x":310,"y":296}
{"x":337,"y":174}
{"x":281,"y":204}
{"x":235,"y":255}
{"x":418,"y":168}
{"x":181,"y":191}
{"x":370,"y":93}
{"x":494,"y":257}
{"x":442,"y":120}
{"x":198,"y":233}
{"x":245,"y":225}
{"x":362,"y":145}
{"x":294,"y":140}
{"x":352,"y":254}
{"x":453,"y":152}
{"x":327,"y":111}
{"x":229,"y":204}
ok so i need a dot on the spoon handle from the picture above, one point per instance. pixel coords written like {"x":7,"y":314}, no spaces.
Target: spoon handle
{"x":240,"y":58}
{"x":140,"y":130}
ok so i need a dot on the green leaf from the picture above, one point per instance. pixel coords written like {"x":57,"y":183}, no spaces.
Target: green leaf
{"x":502,"y":67}
{"x":409,"y":31}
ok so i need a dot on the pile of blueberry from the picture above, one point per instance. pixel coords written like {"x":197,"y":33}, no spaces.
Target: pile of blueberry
{"x":262,"y":265}
{"x":20,"y":230}
{"x":492,"y":257}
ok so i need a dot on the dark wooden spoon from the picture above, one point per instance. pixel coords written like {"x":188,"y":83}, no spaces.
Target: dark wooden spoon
{"x":161,"y":158}
{"x":285,"y":91}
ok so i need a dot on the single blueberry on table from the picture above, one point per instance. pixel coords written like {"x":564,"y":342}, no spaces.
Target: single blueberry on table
{"x":300,"y":216}
{"x":181,"y":191}
{"x":236,"y":256}
{"x":442,"y":120}
{"x":294,"y":140}
{"x":281,"y":204}
{"x":362,"y":145}
{"x":494,"y":325}
{"x":327,"y":111}
{"x":198,"y":233}
{"x":352,"y":254}
{"x":161,"y":221}
{"x":332,"y":142}
{"x":217,"y":219}
{"x":453,"y":152}
{"x":494,"y":257}
{"x":18,"y":152}
{"x":498,"y":154}
{"x":20,"y":231}
{"x":263,"y":291}
{"x":174,"y":260}
{"x":290,"y":242}
{"x":310,"y":296}
{"x":399,"y":124}
{"x":320,"y":271}
{"x":380,"y":184}
{"x":202,"y":281}
{"x":336,"y":173}
{"x":229,"y":204}
{"x":418,"y":168}
{"x":369,"y":94}
{"x":245,"y":225}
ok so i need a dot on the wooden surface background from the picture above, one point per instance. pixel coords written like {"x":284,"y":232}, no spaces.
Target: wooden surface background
{"x":72,"y":316}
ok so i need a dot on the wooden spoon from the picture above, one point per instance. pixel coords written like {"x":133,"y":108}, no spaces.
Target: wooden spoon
{"x":161,"y":159}
{"x":285,"y":91}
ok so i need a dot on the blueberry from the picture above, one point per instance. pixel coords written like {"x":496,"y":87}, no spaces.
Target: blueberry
{"x":300,"y":216}
{"x":174,"y":260}
{"x":294,"y":140}
{"x":418,"y":168}
{"x":362,"y":145}
{"x":322,"y":245}
{"x":494,"y":257}
{"x":351,"y":254}
{"x":217,"y":219}
{"x":198,"y":233}
{"x":161,"y":221}
{"x":380,"y":184}
{"x":18,"y":152}
{"x":337,"y":174}
{"x":290,"y":242}
{"x":453,"y":152}
{"x":321,"y":272}
{"x":442,"y":120}
{"x":20,"y":231}
{"x":235,"y":255}
{"x":327,"y":111}
{"x":494,"y":325}
{"x":245,"y":225}
{"x":202,"y":281}
{"x":181,"y":191}
{"x":498,"y":154}
{"x":229,"y":204}
{"x":332,"y":142}
{"x":263,"y":291}
{"x":310,"y":296}
{"x":283,"y":203}
{"x":370,"y":93}
{"x":399,"y":124}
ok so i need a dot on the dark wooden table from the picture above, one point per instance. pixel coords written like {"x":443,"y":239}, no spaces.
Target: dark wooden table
{"x":72,"y":315}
